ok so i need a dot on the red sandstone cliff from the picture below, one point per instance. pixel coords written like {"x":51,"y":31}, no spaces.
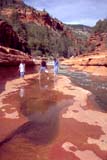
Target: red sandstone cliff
{"x":97,"y":42}
{"x":9,"y":38}
{"x":93,"y":63}
{"x":28,"y":14}
{"x":11,"y":57}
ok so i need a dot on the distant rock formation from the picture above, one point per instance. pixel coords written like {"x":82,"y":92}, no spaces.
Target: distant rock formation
{"x":97,"y":42}
{"x":60,"y":38}
{"x":28,"y":14}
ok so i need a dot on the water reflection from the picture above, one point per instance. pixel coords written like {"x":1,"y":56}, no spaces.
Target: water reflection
{"x":43,"y":121}
{"x":43,"y":125}
{"x":21,"y":92}
{"x":43,"y":85}
{"x":36,"y":132}
{"x":41,"y":106}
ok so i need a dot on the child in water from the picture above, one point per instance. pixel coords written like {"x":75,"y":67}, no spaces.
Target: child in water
{"x":43,"y":67}
{"x":56,"y":66}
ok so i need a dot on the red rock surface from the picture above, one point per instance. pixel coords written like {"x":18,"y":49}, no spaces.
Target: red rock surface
{"x":11,"y":46}
{"x":95,"y":63}
{"x":10,"y":57}
{"x":97,"y":42}
{"x":80,"y":129}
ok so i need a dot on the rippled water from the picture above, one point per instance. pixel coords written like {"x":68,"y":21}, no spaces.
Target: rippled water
{"x":96,"y":84}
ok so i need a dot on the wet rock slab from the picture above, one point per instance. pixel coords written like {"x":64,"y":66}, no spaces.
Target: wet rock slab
{"x":60,"y":120}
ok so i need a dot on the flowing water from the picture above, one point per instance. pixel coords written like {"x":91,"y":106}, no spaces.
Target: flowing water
{"x":96,"y":84}
{"x":36,"y":128}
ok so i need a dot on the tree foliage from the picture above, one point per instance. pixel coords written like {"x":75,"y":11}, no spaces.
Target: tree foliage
{"x":101,"y":26}
{"x":41,"y":39}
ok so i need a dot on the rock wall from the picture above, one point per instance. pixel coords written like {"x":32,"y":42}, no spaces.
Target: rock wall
{"x":95,"y":64}
{"x":97,"y":42}
{"x":28,"y":14}
{"x":12,"y":57}
{"x":9,"y":38}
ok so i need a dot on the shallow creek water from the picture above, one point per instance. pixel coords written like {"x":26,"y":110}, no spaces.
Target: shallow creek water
{"x":96,"y":84}
{"x":32,"y":127}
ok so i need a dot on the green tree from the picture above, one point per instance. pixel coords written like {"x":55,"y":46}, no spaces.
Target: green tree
{"x":101,"y":26}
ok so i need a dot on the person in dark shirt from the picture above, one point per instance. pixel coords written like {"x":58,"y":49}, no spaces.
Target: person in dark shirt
{"x":43,"y":64}
{"x":43,"y":67}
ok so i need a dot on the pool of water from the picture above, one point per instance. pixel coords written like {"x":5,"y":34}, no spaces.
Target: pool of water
{"x":41,"y":106}
{"x":44,"y":131}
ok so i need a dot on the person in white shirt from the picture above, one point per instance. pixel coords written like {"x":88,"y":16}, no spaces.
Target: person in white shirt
{"x":22,"y":69}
